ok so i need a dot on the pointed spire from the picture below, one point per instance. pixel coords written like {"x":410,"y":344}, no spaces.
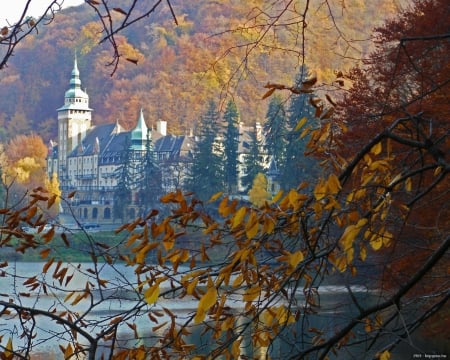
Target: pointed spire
{"x":117,"y":128}
{"x":75,"y":97}
{"x":139,"y":133}
{"x":273,"y":171}
{"x":75,"y":82}
{"x":141,"y":122}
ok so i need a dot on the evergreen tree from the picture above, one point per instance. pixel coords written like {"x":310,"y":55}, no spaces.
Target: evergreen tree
{"x":125,"y":182}
{"x":252,"y":160}
{"x":231,"y":144}
{"x":275,"y":129}
{"x":149,"y":179}
{"x":206,"y":174}
{"x":297,"y":167}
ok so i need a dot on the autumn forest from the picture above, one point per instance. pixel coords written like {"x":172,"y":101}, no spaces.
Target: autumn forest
{"x":174,"y":71}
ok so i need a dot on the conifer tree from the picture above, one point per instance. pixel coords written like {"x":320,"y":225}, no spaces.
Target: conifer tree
{"x":149,"y":181}
{"x":275,"y":129}
{"x":206,"y":175}
{"x":231,"y":144}
{"x":297,"y":167}
{"x":125,"y":182}
{"x":252,"y":160}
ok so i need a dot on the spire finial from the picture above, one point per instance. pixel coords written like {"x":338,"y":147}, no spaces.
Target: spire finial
{"x":75,"y":61}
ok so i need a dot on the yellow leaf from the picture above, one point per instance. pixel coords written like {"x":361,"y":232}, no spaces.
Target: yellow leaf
{"x":350,"y":233}
{"x":408,"y":184}
{"x":215,"y":196}
{"x":385,"y":355}
{"x":300,"y":123}
{"x":252,"y":293}
{"x":228,"y":323}
{"x":363,"y":253}
{"x":252,"y":230}
{"x":387,"y":238}
{"x":191,"y":286}
{"x":205,"y":303}
{"x":269,"y":225}
{"x":376,"y":242}
{"x":437,"y":171}
{"x":333,"y":184}
{"x":376,"y":149}
{"x":320,"y":190}
{"x":284,"y":316}
{"x":152,"y":294}
{"x":142,"y":253}
{"x":68,"y":352}
{"x":238,"y":217}
{"x":78,"y":299}
{"x":305,"y":132}
{"x":368,"y":325}
{"x":295,"y":259}
{"x":223,"y":207}
{"x":9,"y":350}
{"x":277,"y":196}
{"x":236,"y":349}
{"x":341,"y":263}
{"x":238,"y":281}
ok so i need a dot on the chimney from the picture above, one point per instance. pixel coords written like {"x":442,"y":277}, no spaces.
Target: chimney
{"x":161,"y":127}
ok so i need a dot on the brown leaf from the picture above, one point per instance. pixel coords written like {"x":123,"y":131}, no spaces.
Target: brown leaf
{"x":314,"y":101}
{"x":309,"y":82}
{"x":328,"y":113}
{"x":121,"y":11}
{"x":268,"y":93}
{"x":49,"y":235}
{"x":51,"y":201}
{"x":330,"y":100}
{"x":64,"y":238}
{"x":44,"y":253}
{"x":132,"y":60}
{"x":274,"y":86}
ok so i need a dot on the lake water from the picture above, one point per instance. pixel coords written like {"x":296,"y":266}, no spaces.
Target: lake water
{"x":334,"y":310}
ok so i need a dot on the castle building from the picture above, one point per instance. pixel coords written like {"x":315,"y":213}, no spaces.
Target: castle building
{"x":88,"y":159}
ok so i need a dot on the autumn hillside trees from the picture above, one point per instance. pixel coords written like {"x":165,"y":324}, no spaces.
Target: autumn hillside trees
{"x":403,"y":92}
{"x":23,"y":163}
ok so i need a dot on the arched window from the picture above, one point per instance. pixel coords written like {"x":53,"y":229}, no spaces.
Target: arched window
{"x":85,"y":213}
{"x":94,"y":213}
{"x":107,"y":213}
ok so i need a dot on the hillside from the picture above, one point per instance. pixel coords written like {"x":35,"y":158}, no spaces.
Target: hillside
{"x":179,"y":68}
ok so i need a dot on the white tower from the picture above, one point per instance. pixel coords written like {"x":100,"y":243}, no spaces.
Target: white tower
{"x":74,"y":120}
